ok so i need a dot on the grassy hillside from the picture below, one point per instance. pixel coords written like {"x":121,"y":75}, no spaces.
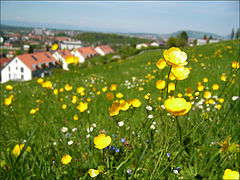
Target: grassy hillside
{"x":159,"y":146}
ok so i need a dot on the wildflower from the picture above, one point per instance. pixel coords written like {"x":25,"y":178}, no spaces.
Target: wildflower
{"x":80,"y":90}
{"x":70,"y":60}
{"x":33,"y":111}
{"x":229,"y":147}
{"x":70,"y":143}
{"x":9,"y":87}
{"x":64,"y":106}
{"x":175,"y":171}
{"x":200,"y":87}
{"x":18,"y":148}
{"x":171,"y":87}
{"x":177,"y":106}
{"x":113,"y":87}
{"x":229,"y":174}
{"x":68,"y":87}
{"x":93,"y":173}
{"x":82,"y":106}
{"x":74,"y":99}
{"x":47,"y":84}
{"x":215,"y":87}
{"x":55,"y":91}
{"x":40,"y":80}
{"x":54,"y":47}
{"x":119,"y":95}
{"x":161,"y":64}
{"x":129,"y":171}
{"x":8,"y":101}
{"x":114,"y":110}
{"x":205,"y":80}
{"x":152,"y":127}
{"x":235,"y":65}
{"x":104,"y":89}
{"x":136,"y":103}
{"x":121,"y":123}
{"x":124,"y":105}
{"x":168,"y":155}
{"x":117,"y":150}
{"x":174,"y":56}
{"x":160,"y":84}
{"x":3,"y":164}
{"x":150,"y":116}
{"x":66,"y":159}
{"x":149,"y":108}
{"x":67,"y":135}
{"x":223,"y":77}
{"x":112,"y":148}
{"x":207,"y":94}
{"x":75,"y":117}
{"x":110,"y":96}
{"x":64,"y":129}
{"x":102,"y":141}
{"x":180,"y":72}
{"x":122,"y":140}
{"x":74,"y":129}
{"x":234,"y":98}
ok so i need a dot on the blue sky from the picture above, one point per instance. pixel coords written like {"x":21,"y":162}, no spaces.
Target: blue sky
{"x":121,"y":16}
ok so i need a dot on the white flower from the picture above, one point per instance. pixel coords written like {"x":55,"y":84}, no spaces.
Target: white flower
{"x":121,"y":123}
{"x":150,"y":116}
{"x":70,"y":142}
{"x":152,"y":127}
{"x":94,"y":125}
{"x":154,"y":122}
{"x":90,"y":130}
{"x":87,"y":136}
{"x":175,"y":171}
{"x":24,"y":141}
{"x":163,"y":106}
{"x":234,"y":98}
{"x":149,"y":108}
{"x":64,"y":129}
{"x":54,"y":143}
{"x":74,"y":129}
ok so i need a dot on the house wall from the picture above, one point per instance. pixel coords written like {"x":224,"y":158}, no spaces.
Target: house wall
{"x":201,"y":42}
{"x":15,"y":70}
{"x":99,"y":51}
{"x":77,"y":54}
{"x":59,"y":58}
{"x":70,"y":46}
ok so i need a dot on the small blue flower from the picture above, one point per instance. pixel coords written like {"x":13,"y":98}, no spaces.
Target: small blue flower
{"x":67,"y":135}
{"x":123,"y":140}
{"x":178,"y":167}
{"x":107,"y":147}
{"x":112,"y":148}
{"x":117,"y":150}
{"x":129,"y":171}
{"x":113,"y":136}
{"x":147,"y":141}
{"x":168,"y":154}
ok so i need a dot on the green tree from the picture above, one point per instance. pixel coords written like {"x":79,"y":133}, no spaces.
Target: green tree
{"x":30,"y":50}
{"x":181,"y":42}
{"x":184,"y":35}
{"x":238,"y":34}
{"x":172,"y":41}
{"x":232,"y":34}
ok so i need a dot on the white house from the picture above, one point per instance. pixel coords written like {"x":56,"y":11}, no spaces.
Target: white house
{"x":61,"y":56}
{"x":213,"y":41}
{"x":70,"y":45}
{"x":201,"y":42}
{"x":24,"y":67}
{"x":84,"y":53}
{"x":26,"y":47}
{"x":104,"y":49}
{"x":140,"y":46}
{"x":154,"y":44}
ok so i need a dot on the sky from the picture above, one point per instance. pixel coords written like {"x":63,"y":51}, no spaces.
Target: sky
{"x":160,"y":17}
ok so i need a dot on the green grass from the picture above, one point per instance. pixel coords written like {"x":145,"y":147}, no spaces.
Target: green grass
{"x":145,"y":154}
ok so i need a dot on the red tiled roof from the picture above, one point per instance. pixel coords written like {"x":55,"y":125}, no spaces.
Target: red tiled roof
{"x":61,"y":38}
{"x":87,"y":51}
{"x":36,"y":59}
{"x":4,"y":61}
{"x":106,"y":49}
{"x":64,"y":53}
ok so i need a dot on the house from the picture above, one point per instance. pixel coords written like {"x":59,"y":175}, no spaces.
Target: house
{"x":3,"y":61}
{"x":154,"y":44}
{"x":25,"y":67}
{"x":26,"y":47}
{"x":103,"y":50}
{"x":140,"y":46}
{"x":201,"y":42}
{"x":61,"y":56}
{"x":59,"y":39}
{"x":70,"y":45}
{"x":213,"y":41}
{"x":10,"y":54}
{"x":84,"y":53}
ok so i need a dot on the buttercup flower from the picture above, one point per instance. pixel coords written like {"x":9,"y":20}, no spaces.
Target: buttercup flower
{"x":235,"y":65}
{"x":160,"y":84}
{"x":68,"y":87}
{"x":230,"y":175}
{"x":110,"y":96}
{"x":8,"y":101}
{"x":93,"y":173}
{"x":80,"y":90}
{"x":102,"y":141}
{"x":171,"y":87}
{"x":18,"y":148}
{"x":174,"y":56}
{"x":180,"y":72}
{"x":82,"y":106}
{"x":9,"y":87}
{"x":54,"y":47}
{"x":113,"y":87}
{"x":119,"y":95}
{"x":136,"y":103}
{"x":66,"y":159}
{"x":207,"y":94}
{"x":161,"y":64}
{"x":177,"y":106}
{"x":215,"y":87}
{"x":74,"y":99}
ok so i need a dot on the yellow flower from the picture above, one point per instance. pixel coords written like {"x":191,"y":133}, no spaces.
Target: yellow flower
{"x":33,"y":111}
{"x":119,"y":95}
{"x":210,"y":101}
{"x":8,"y":101}
{"x":61,"y":90}
{"x":75,"y":117}
{"x":171,"y":76}
{"x":93,"y":173}
{"x":55,"y":91}
{"x":179,"y":95}
{"x":76,"y":60}
{"x":223,"y":77}
{"x":82,"y":106}
{"x":180,"y":72}
{"x":124,"y":105}
{"x":200,"y":87}
{"x":177,"y":106}
{"x":17,"y":149}
{"x":229,"y":147}
{"x":136,"y":103}
{"x":47,"y":84}
{"x":114,"y":110}
{"x":207,"y":94}
{"x":66,"y":159}
{"x":40,"y":80}
{"x":171,"y":87}
{"x":74,"y":99}
{"x":9,"y":87}
{"x":113,"y":87}
{"x":98,"y":93}
{"x":70,"y":60}
{"x":110,"y":96}
{"x":174,"y":56}
{"x":160,"y":84}
{"x":3,"y":164}
{"x":235,"y":65}
{"x":215,"y":87}
{"x":80,"y":90}
{"x":104,"y":89}
{"x":205,"y":80}
{"x":161,"y":64}
{"x":54,"y":47}
{"x":140,"y":88}
{"x":221,"y":100}
{"x":230,"y":175}
{"x":68,"y":87}
{"x":64,"y":106}
{"x":102,"y":141}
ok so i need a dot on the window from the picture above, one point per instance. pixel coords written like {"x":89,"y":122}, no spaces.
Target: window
{"x":21,"y":69}
{"x":8,"y":68}
{"x":16,"y":61}
{"x":22,"y":77}
{"x":9,"y":76}
{"x":16,"y":68}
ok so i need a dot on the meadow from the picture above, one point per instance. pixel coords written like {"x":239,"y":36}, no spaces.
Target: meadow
{"x":112,"y":121}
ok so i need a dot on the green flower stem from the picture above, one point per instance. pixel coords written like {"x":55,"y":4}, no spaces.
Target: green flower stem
{"x":168,"y":80}
{"x":179,"y":130}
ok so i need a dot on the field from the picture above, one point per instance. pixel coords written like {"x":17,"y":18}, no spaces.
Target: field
{"x":62,"y":114}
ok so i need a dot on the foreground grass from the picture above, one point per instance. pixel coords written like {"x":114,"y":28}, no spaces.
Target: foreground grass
{"x":149,"y":147}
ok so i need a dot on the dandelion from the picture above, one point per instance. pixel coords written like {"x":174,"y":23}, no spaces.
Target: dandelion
{"x":229,"y":174}
{"x":93,"y":173}
{"x":102,"y":141}
{"x":66,"y":159}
